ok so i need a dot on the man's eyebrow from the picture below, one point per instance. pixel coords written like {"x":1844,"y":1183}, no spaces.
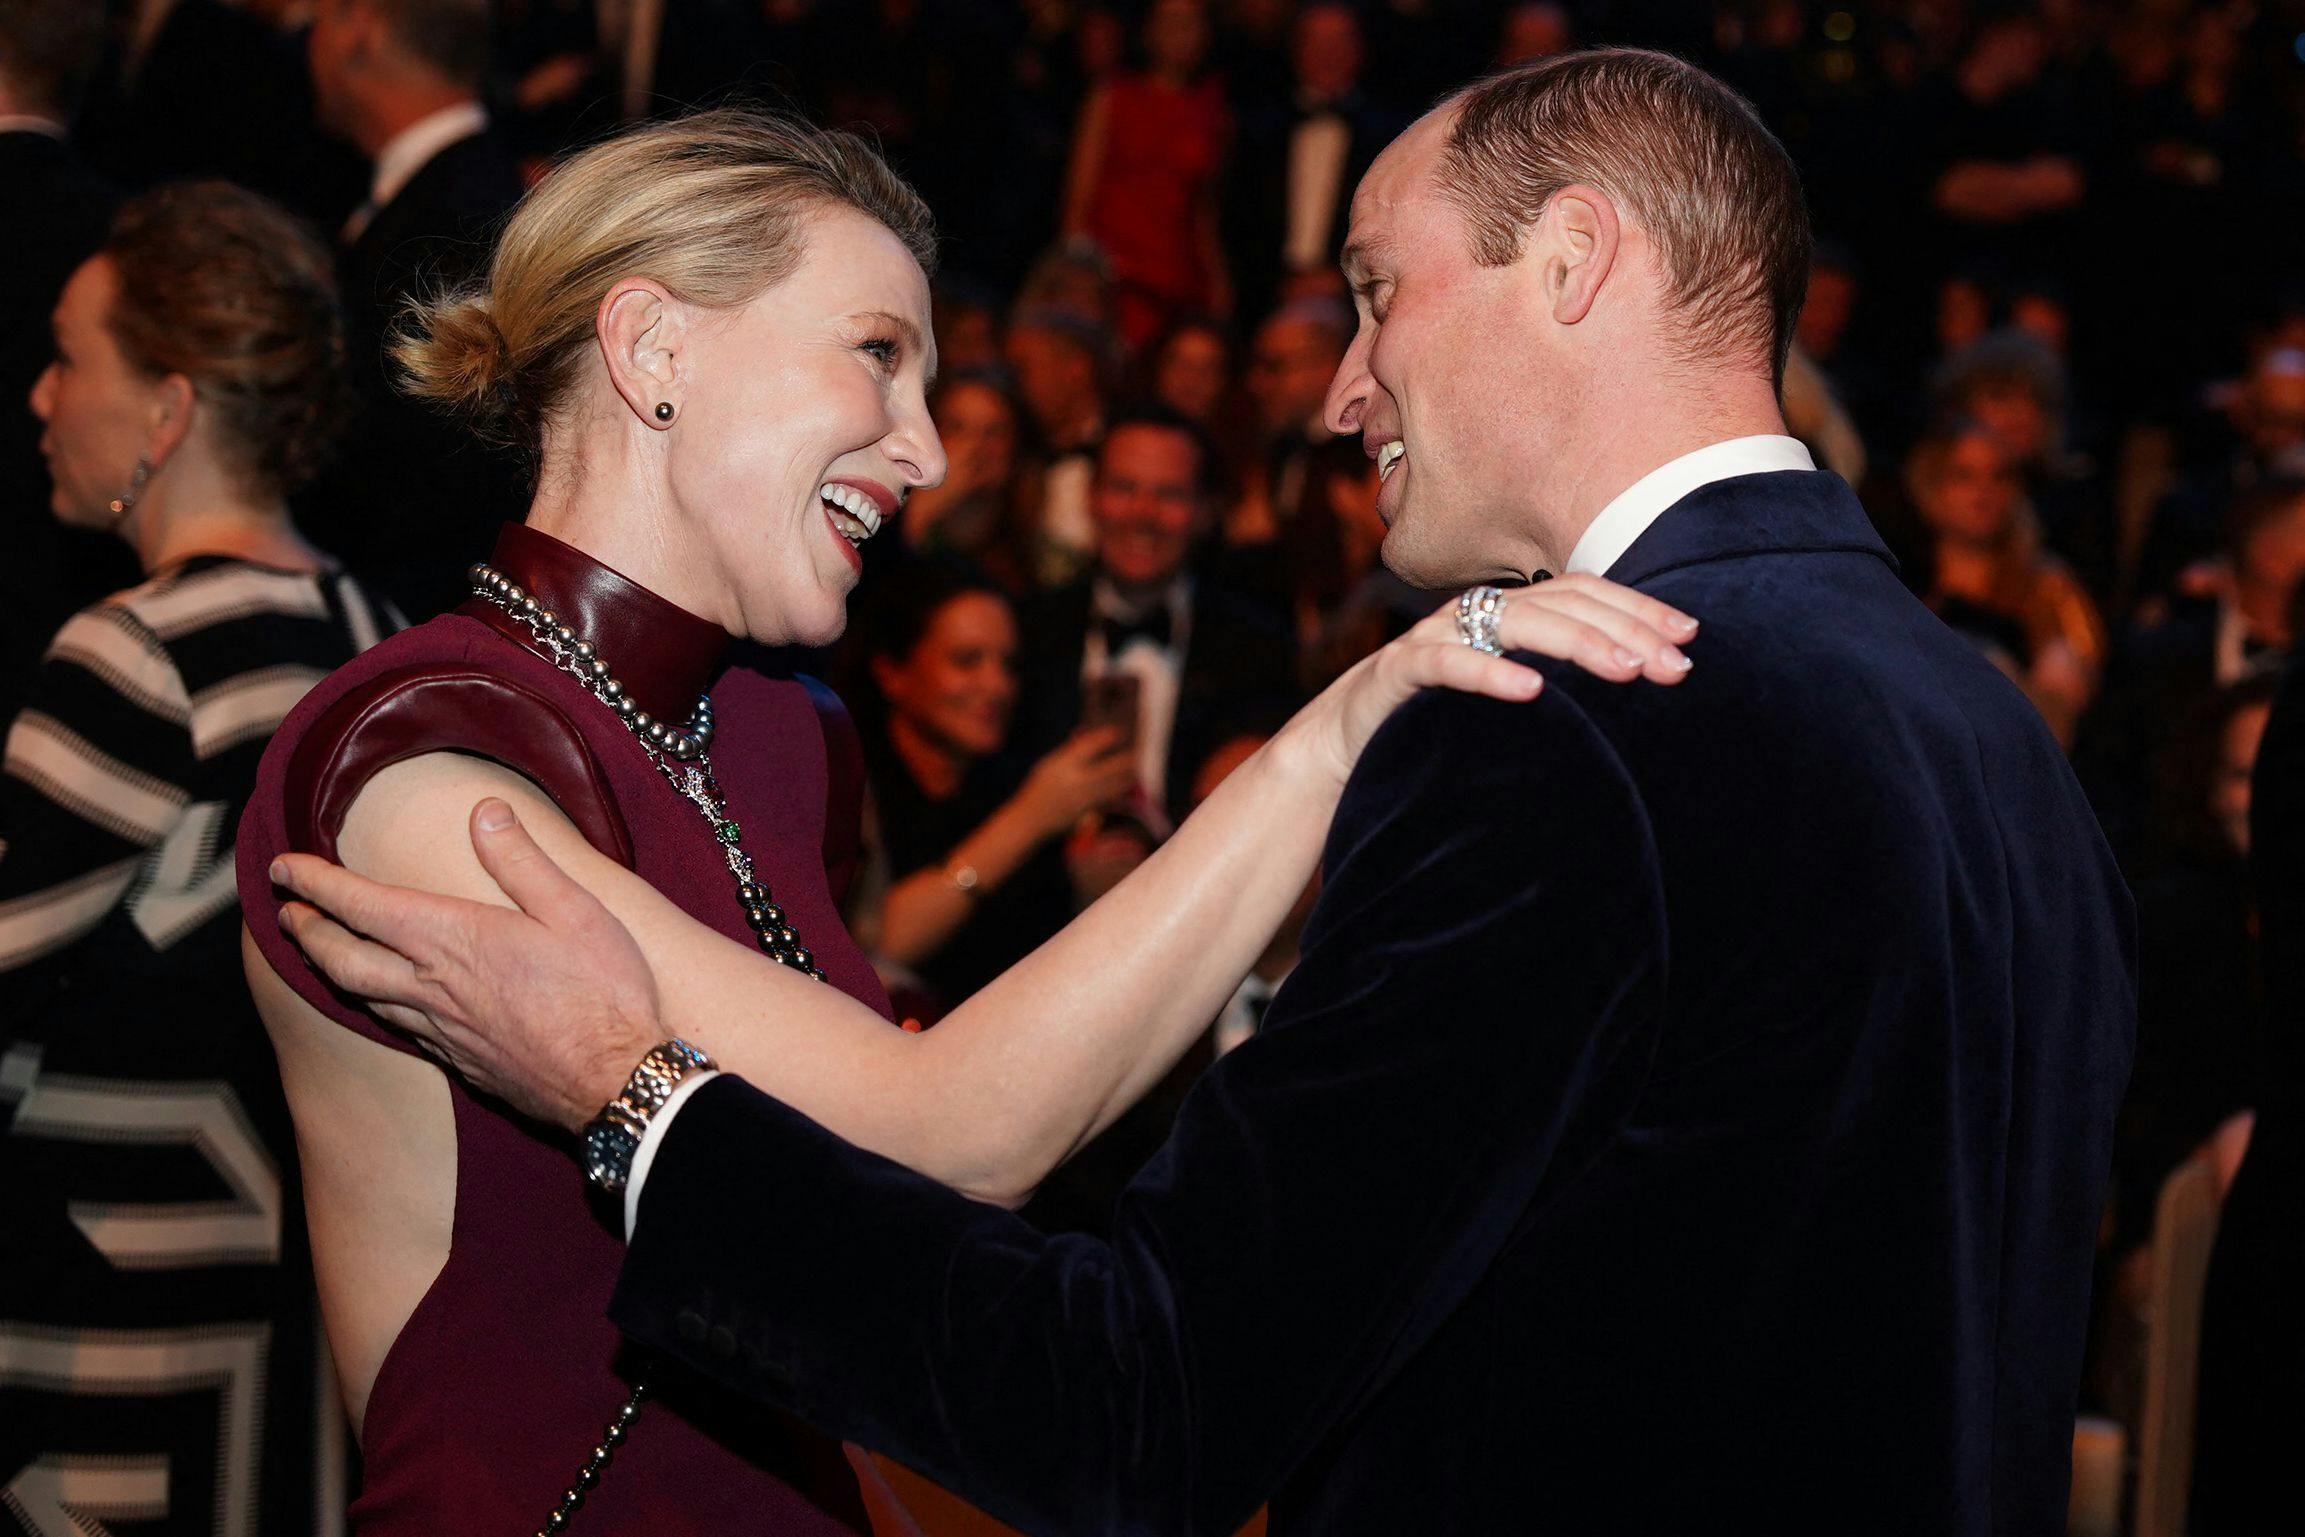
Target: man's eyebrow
{"x":1359,"y":257}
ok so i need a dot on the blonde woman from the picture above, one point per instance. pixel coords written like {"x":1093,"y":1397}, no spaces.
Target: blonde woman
{"x":715,"y":335}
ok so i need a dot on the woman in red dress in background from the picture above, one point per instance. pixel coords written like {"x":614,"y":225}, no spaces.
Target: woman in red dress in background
{"x":1145,"y":164}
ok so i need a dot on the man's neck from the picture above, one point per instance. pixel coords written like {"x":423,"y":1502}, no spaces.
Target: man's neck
{"x":1139,"y":597}
{"x":1636,"y":438}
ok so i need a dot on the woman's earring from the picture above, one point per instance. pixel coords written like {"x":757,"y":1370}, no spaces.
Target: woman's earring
{"x":125,"y":502}
{"x":664,"y":410}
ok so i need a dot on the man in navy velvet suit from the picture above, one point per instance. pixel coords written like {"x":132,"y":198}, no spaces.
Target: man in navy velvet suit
{"x":1692,"y":1109}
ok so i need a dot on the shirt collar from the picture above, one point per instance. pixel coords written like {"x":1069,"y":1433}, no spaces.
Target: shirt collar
{"x":1626,"y":518}
{"x":30,"y":122}
{"x":412,"y":149}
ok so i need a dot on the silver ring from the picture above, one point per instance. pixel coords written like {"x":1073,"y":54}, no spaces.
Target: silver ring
{"x":1479,"y":612}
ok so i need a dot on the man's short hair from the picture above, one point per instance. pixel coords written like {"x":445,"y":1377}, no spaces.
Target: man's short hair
{"x":449,"y":37}
{"x":48,"y":50}
{"x":1685,"y":154}
{"x":1207,"y":480}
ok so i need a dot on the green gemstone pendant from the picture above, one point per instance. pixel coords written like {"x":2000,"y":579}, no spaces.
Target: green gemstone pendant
{"x":727,"y":832}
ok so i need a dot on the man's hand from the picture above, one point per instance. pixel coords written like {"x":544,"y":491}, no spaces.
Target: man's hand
{"x":548,"y":1007}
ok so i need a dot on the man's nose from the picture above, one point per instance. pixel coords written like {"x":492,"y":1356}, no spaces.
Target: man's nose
{"x":1348,"y":398}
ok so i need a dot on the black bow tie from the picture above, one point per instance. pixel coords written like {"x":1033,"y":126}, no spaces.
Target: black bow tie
{"x":1152,"y":626}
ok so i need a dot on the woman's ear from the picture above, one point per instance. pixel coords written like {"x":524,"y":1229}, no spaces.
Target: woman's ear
{"x":1578,"y":241}
{"x":642,"y":330}
{"x":174,"y":402}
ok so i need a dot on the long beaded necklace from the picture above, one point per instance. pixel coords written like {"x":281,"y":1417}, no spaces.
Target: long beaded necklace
{"x":682,"y":755}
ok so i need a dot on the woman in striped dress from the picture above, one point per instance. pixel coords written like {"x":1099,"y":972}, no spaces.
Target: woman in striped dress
{"x":157,"y":1346}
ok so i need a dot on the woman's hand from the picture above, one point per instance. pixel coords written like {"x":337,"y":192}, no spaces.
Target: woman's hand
{"x":1611,"y":631}
{"x":1089,"y":770}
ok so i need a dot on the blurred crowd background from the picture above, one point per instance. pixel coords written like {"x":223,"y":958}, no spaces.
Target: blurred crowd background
{"x":2055,"y":335}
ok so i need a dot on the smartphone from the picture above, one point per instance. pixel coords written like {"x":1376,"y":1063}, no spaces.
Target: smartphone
{"x":1113,"y":701}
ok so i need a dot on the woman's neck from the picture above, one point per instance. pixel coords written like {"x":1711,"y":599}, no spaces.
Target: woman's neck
{"x":936,"y":768}
{"x":212,"y":520}
{"x":621,"y":522}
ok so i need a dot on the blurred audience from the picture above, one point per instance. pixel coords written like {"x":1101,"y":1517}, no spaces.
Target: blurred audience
{"x":1991,"y":577}
{"x":1143,"y":183}
{"x":413,"y":501}
{"x":1060,"y":362}
{"x":969,"y":839}
{"x":1180,"y":661}
{"x":59,"y":207}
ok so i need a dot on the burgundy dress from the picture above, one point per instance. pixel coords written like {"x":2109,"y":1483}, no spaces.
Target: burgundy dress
{"x":502,"y":1379}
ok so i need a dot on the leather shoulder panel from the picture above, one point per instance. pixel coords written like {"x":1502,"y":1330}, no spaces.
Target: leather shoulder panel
{"x":430,"y":708}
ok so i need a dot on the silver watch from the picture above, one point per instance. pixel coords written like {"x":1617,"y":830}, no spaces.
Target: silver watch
{"x":613,"y":1136}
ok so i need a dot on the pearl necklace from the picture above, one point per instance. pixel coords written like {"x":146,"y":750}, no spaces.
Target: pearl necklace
{"x":681,"y":754}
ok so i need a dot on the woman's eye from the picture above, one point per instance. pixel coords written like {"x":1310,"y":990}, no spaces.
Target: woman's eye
{"x":885,"y":351}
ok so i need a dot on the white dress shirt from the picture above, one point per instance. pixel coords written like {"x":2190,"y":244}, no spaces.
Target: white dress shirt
{"x":1159,"y":671}
{"x":1625,"y":519}
{"x":410,"y":151}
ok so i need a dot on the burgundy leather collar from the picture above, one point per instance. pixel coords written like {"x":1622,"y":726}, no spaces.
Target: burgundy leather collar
{"x":663,"y":654}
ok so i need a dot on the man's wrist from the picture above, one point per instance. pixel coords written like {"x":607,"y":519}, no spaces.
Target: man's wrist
{"x":644,"y":1156}
{"x":612,"y":1137}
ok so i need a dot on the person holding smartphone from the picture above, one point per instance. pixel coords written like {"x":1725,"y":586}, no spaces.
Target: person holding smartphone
{"x":1143,"y":646}
{"x":968,"y":838}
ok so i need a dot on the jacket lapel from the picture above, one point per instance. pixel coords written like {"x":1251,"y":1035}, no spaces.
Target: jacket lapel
{"x":1781,"y":512}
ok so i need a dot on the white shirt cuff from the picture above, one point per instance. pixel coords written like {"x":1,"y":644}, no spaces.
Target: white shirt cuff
{"x":645,"y":1154}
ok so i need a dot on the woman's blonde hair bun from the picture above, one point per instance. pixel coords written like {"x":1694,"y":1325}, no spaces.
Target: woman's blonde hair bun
{"x":710,"y":205}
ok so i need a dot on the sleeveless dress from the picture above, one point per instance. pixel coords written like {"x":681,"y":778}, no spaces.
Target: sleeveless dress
{"x":502,"y":1379}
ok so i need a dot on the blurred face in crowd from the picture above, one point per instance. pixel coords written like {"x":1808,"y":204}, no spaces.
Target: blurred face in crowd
{"x":2273,"y":554}
{"x":1969,"y":494}
{"x":957,"y":687}
{"x":97,"y":410}
{"x":341,"y":32}
{"x":1325,"y":52}
{"x":1964,"y":313}
{"x":1147,"y":504}
{"x":1534,"y":32}
{"x":1055,"y":376}
{"x":2044,"y":319}
{"x":803,"y":418}
{"x":1825,"y":316}
{"x":979,"y":433}
{"x":2017,"y":418}
{"x":1191,"y":372}
{"x":1176,"y":36}
{"x":2237,"y":757}
{"x":2273,"y":407}
{"x":1290,"y":366}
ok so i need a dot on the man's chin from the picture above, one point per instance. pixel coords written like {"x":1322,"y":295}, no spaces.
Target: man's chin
{"x":1430,"y":570}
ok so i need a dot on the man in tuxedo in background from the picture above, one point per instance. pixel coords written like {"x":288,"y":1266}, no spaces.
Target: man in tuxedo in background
{"x":413,"y":497}
{"x":1692,"y":1109}
{"x":1206,"y":663}
{"x":1298,"y":160}
{"x":57,"y":211}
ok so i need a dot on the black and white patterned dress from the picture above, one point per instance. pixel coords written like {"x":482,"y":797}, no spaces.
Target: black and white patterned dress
{"x":159,"y":1364}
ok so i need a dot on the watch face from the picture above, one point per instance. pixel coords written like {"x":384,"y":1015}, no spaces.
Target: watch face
{"x":608,"y":1150}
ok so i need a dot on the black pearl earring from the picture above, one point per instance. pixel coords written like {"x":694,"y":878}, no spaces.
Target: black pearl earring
{"x":664,"y":410}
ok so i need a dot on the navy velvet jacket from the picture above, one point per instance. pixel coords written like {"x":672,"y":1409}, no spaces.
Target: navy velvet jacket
{"x":1692,"y":1113}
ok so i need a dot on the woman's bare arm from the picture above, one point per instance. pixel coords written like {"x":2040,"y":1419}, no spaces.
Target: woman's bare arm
{"x":1007,"y":1085}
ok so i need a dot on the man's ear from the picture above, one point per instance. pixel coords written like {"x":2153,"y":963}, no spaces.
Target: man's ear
{"x":1577,"y":244}
{"x":642,"y":330}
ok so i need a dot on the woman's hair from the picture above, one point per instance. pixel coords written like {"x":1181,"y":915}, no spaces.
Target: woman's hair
{"x":712,"y":205}
{"x":903,"y":606}
{"x":229,"y":290}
